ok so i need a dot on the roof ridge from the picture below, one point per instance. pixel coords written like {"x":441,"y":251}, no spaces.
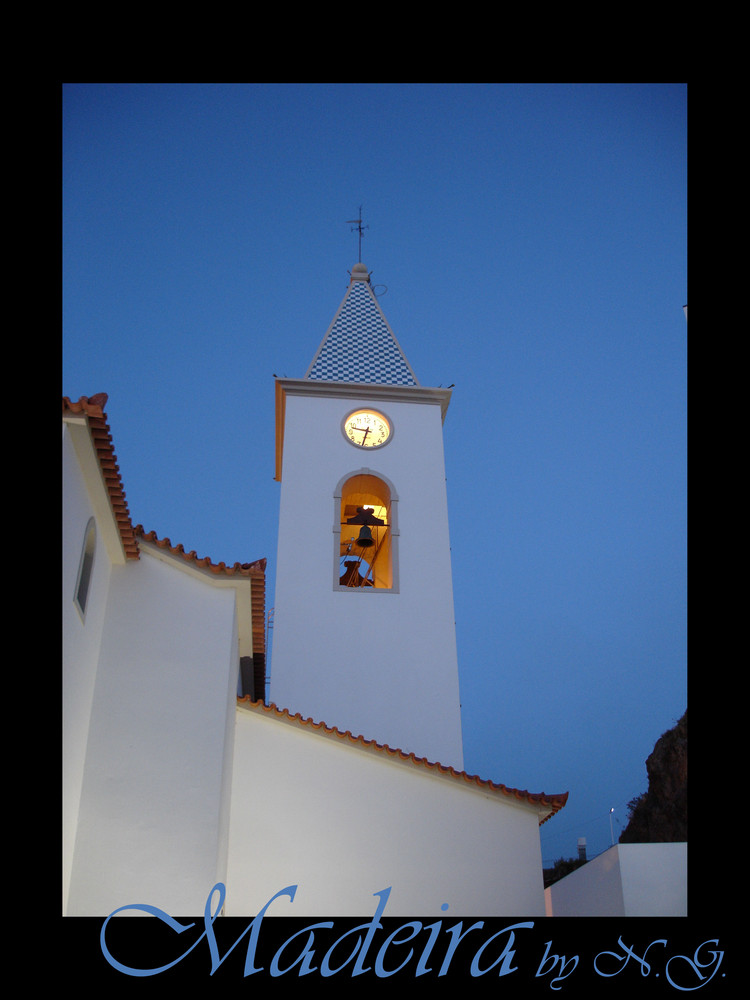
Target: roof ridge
{"x":553,"y":802}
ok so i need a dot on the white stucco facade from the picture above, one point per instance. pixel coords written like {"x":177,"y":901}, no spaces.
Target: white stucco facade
{"x":150,"y":685}
{"x":81,"y":640}
{"x":381,"y":663}
{"x":343,"y":821}
{"x":154,"y":798}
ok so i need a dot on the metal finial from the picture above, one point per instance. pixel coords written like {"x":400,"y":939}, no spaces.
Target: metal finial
{"x":357,"y":224}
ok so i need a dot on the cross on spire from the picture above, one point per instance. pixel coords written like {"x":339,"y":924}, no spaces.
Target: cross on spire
{"x":357,"y":224}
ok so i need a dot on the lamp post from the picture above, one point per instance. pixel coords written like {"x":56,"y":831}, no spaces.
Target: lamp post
{"x":611,"y":830}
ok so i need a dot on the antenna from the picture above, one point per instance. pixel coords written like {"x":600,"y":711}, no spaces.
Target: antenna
{"x":357,"y":224}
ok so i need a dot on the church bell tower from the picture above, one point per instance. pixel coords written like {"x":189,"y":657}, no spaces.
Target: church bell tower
{"x":364,"y":631}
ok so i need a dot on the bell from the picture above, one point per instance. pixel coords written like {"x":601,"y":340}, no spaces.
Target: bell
{"x":365,"y":539}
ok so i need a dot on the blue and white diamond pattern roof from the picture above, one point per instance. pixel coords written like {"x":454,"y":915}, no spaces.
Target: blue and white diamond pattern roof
{"x":359,"y":345}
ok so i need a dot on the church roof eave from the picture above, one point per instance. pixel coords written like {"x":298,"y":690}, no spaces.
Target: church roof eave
{"x":86,"y":415}
{"x":544,"y":804}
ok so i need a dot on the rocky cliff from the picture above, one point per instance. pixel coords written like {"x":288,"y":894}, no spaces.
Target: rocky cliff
{"x":660,"y":814}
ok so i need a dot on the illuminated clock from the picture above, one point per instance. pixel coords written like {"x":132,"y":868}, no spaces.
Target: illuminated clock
{"x":367,"y":429}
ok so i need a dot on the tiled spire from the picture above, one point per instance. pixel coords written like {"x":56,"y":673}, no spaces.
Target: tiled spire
{"x":359,"y":345}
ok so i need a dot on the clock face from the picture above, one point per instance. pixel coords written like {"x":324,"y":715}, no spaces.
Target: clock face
{"x":367,"y":429}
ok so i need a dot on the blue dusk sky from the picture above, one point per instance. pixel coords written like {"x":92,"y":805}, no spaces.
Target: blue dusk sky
{"x":529,"y":246}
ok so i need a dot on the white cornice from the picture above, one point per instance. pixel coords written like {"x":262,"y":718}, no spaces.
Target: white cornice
{"x":367,"y":390}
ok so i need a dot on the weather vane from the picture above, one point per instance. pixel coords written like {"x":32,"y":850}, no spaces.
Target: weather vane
{"x":357,"y":224}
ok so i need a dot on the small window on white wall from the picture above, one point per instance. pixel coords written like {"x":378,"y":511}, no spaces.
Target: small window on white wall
{"x":85,"y":567}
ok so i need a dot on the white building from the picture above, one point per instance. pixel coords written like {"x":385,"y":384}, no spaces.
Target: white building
{"x":177,"y":776}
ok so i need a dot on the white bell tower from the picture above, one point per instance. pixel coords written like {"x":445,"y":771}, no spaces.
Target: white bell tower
{"x":364,"y":631}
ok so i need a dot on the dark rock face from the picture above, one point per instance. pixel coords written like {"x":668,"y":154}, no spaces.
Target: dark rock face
{"x":660,"y":814}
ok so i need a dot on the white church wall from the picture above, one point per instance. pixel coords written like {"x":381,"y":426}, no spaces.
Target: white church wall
{"x":381,"y":664}
{"x":342,"y":823}
{"x":628,"y":880}
{"x":154,"y":806}
{"x":81,"y":639}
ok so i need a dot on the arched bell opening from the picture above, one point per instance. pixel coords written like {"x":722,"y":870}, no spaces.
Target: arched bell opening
{"x":365,"y":543}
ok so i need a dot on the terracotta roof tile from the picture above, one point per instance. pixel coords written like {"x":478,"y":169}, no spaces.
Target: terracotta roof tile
{"x":243,"y":569}
{"x":92,"y":407}
{"x":553,"y":803}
